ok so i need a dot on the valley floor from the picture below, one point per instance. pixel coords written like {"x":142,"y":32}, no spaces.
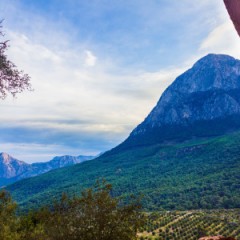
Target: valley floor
{"x":191,"y":225}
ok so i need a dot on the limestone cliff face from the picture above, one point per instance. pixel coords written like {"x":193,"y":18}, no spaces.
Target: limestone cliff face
{"x":207,"y":91}
{"x":202,"y":102}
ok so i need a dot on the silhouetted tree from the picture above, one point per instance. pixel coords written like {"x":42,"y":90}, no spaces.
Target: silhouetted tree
{"x":12,"y":80}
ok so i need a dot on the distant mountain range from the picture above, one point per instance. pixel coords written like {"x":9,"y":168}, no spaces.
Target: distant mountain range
{"x":184,"y":155}
{"x":12,"y":170}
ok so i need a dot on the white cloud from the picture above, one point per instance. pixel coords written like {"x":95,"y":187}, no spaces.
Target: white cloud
{"x":102,"y":100}
{"x":90,"y":59}
{"x":222,"y":39}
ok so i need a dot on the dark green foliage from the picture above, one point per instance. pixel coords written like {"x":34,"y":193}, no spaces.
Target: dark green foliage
{"x":201,"y":173}
{"x":176,"y":133}
{"x":13,"y":227}
{"x":94,"y":215}
{"x":7,"y":217}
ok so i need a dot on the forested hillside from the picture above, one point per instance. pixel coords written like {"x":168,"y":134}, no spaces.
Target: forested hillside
{"x":189,"y":175}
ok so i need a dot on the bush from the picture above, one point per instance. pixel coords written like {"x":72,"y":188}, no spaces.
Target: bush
{"x":94,"y":215}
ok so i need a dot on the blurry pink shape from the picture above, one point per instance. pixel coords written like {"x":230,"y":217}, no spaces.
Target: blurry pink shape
{"x":233,"y":7}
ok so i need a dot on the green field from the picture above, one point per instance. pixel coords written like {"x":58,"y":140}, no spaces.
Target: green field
{"x":190,"y":225}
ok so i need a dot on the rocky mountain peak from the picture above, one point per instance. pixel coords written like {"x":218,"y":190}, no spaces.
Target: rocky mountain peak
{"x":209,"y":91}
{"x":214,"y":71}
{"x":214,"y":59}
{"x":10,"y":167}
{"x":4,"y":157}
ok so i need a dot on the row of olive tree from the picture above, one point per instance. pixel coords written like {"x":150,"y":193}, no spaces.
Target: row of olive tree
{"x":95,"y":215}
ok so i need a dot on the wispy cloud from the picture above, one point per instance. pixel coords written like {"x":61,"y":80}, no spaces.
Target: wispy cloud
{"x":223,"y":39}
{"x":73,"y":105}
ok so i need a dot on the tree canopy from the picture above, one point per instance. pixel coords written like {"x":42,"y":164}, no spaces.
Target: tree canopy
{"x":94,"y":215}
{"x":12,"y":81}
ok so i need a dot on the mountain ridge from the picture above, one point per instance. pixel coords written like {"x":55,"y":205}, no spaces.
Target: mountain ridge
{"x":12,"y":169}
{"x":206,"y":94}
{"x":216,"y":74}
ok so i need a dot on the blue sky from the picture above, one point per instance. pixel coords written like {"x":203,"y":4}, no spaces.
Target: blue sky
{"x":98,"y":67}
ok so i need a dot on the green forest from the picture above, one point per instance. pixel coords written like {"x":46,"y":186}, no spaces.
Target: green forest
{"x":194,"y":174}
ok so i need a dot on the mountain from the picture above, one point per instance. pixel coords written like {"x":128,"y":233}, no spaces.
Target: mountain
{"x":55,"y":163}
{"x":12,"y":170}
{"x":184,"y":155}
{"x":203,"y":101}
